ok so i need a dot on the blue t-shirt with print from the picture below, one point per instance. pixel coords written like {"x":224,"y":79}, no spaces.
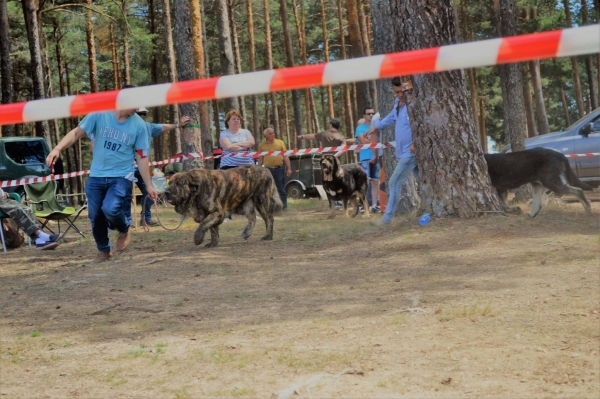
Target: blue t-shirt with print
{"x":366,"y":154}
{"x":115,"y":143}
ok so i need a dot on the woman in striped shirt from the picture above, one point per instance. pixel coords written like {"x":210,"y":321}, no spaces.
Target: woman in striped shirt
{"x":235,"y":140}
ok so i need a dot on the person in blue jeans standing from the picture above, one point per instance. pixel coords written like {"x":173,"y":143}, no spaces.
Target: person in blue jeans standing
{"x":154,"y":130}
{"x":120,"y":137}
{"x":405,"y":150}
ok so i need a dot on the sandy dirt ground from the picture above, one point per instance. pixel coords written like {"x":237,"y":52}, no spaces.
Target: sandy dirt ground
{"x":496,"y":307}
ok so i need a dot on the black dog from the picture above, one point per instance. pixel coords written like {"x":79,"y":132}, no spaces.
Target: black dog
{"x":541,"y":167}
{"x":345,"y":183}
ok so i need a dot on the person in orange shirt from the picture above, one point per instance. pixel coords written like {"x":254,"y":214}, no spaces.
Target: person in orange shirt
{"x":277,"y":164}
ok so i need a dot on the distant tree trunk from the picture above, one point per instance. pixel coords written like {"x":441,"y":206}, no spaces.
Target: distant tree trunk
{"x":91,"y":47}
{"x":159,"y":152}
{"x":171,"y":75}
{"x":385,"y":41}
{"x":184,"y":45}
{"x":357,"y":49}
{"x":348,"y":107}
{"x":540,"y":107}
{"x":300,"y":32}
{"x":576,"y":79}
{"x":470,"y":72}
{"x":115,"y":57}
{"x":238,"y":59}
{"x":290,"y":145}
{"x":5,"y":66}
{"x":200,"y":66}
{"x":364,"y":30}
{"x":55,"y":128}
{"x":126,"y":68}
{"x":289,"y":55}
{"x":589,"y":66}
{"x":269,"y":65}
{"x":563,"y":100}
{"x":326,"y":56}
{"x":531,"y":125}
{"x":511,"y":80}
{"x":227,"y":60}
{"x":37,"y":75}
{"x":250,"y":16}
{"x":453,"y":172}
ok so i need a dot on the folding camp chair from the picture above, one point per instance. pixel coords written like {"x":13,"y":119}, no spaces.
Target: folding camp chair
{"x":160,"y":185}
{"x":3,"y":215}
{"x":42,"y":199}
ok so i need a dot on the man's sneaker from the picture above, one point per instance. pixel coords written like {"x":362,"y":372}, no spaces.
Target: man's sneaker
{"x":103,"y":256}
{"x":50,"y":244}
{"x":123,"y":241}
{"x":361,"y":209}
{"x":375,"y":210}
{"x":150,"y":223}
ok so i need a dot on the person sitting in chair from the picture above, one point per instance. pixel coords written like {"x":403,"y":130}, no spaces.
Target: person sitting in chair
{"x":25,"y":219}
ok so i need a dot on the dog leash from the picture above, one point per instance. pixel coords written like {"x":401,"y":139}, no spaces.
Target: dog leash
{"x":145,"y":225}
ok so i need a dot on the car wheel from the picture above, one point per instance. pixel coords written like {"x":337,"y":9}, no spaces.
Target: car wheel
{"x":294,"y":190}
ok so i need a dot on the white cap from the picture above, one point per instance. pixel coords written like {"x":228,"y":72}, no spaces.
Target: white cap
{"x":141,"y":109}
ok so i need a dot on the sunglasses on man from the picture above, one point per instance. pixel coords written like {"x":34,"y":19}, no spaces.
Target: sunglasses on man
{"x":370,"y":113}
{"x":142,"y":113}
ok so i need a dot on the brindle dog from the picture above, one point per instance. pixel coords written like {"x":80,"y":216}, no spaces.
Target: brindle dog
{"x":212,"y":195}
{"x":345,"y":183}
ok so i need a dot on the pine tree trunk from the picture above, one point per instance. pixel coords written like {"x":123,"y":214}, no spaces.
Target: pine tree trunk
{"x":37,"y":74}
{"x":5,"y":66}
{"x":575,"y":66}
{"x":357,"y":49}
{"x":299,"y":22}
{"x":540,"y":107}
{"x":511,"y":80}
{"x":531,"y":125}
{"x":588,"y":61}
{"x":286,"y":114}
{"x":91,"y":47}
{"x":238,"y":59}
{"x":348,"y":106}
{"x":269,"y":65}
{"x":184,"y":45}
{"x":227,"y":60}
{"x":250,"y":16}
{"x":289,"y":55}
{"x":384,"y":41}
{"x":156,"y":141}
{"x":200,"y":66}
{"x":115,"y":58}
{"x":171,"y":75}
{"x":326,"y":56}
{"x":453,"y":172}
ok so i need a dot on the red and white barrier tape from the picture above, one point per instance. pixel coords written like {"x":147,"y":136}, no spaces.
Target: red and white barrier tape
{"x":561,"y":43}
{"x":181,"y":157}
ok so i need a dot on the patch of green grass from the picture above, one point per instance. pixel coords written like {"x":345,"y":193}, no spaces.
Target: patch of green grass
{"x":20,"y":335}
{"x":382,"y":384}
{"x":398,"y":319}
{"x":407,"y":236}
{"x":182,"y":393}
{"x":66,"y":344}
{"x":136,"y":352}
{"x":114,"y":378}
{"x":35,"y":333}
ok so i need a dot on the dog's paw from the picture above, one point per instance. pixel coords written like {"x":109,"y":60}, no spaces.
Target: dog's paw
{"x":514,"y":210}
{"x":199,"y":237}
{"x":246,"y":234}
{"x":366,"y":216}
{"x":331,"y":217}
{"x":267,"y":238}
{"x":212,"y":244}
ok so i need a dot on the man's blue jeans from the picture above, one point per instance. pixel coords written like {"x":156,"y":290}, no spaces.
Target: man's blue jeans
{"x":106,"y":196}
{"x":146,"y":212}
{"x":279,"y":177}
{"x":405,"y":167}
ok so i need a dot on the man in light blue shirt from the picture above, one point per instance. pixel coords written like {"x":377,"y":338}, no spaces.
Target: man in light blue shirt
{"x":120,"y":137}
{"x":404,"y":148}
{"x":154,"y":130}
{"x":369,"y":158}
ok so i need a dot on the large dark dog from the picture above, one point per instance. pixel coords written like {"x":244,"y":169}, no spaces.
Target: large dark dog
{"x":344,"y":183}
{"x":541,"y":167}
{"x":212,"y":195}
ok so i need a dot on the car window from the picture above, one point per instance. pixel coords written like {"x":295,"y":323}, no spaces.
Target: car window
{"x":596,"y":123}
{"x":26,"y":152}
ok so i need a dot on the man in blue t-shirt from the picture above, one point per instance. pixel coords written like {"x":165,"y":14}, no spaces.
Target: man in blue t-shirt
{"x":369,"y":158}
{"x":154,"y":130}
{"x":120,"y":137}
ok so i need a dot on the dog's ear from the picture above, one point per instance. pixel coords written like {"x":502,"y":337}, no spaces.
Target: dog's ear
{"x":339,"y":171}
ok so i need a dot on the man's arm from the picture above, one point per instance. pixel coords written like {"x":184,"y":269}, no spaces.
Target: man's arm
{"x":67,"y":141}
{"x":172,"y":126}
{"x":307,"y":137}
{"x":288,"y":166}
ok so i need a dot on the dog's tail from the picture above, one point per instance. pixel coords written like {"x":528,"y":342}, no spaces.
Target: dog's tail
{"x":572,"y":177}
{"x":277,"y":204}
